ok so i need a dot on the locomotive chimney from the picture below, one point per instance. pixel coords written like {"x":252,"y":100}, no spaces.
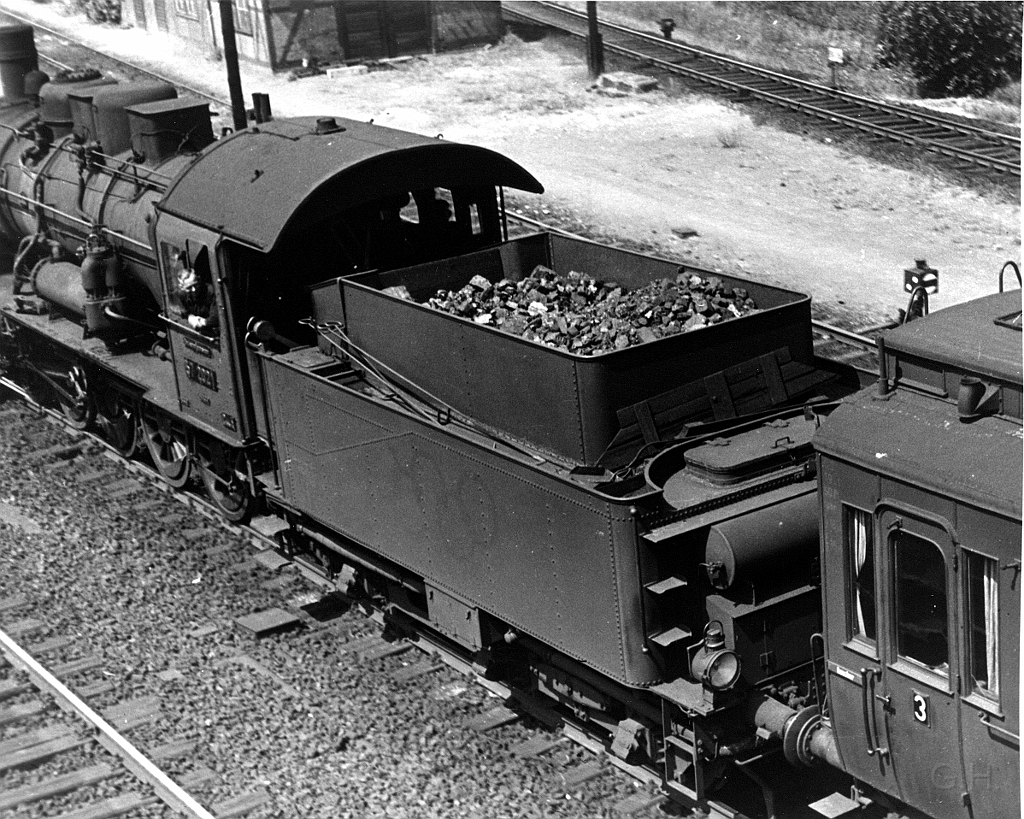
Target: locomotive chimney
{"x":17,"y":58}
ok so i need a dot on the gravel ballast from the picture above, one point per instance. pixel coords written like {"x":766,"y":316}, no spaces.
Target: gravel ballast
{"x":154,"y":588}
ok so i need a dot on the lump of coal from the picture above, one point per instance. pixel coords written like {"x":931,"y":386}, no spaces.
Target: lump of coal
{"x":578,"y":314}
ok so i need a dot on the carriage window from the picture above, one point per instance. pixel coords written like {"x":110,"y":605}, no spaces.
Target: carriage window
{"x":919,"y":590}
{"x":860,"y":562}
{"x":982,"y":607}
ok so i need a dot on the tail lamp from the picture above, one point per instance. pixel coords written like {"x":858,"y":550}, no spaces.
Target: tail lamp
{"x":716,"y":666}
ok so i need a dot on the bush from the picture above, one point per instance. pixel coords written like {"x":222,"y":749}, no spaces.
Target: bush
{"x":953,"y":48}
{"x":101,"y":11}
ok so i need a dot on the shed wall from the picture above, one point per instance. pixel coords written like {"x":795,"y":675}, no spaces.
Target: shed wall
{"x":283,"y":33}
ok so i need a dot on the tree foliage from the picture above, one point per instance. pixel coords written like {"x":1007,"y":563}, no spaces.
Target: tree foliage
{"x":953,"y":48}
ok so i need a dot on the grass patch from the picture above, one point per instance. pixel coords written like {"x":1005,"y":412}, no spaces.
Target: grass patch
{"x":731,"y":137}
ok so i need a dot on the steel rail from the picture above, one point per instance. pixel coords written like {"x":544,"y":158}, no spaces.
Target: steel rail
{"x":170,"y":792}
{"x":857,"y":110}
{"x":767,"y":73}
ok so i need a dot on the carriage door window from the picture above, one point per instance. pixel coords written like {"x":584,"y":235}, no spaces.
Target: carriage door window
{"x":922,"y":624}
{"x":860,"y":562}
{"x":982,"y":606}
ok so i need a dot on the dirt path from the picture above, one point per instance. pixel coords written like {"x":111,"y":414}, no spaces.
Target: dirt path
{"x":775,"y":206}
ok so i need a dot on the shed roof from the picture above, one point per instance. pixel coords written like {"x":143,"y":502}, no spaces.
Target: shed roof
{"x":251,"y":184}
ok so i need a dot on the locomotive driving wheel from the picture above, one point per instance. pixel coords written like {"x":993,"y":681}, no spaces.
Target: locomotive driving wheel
{"x":117,"y":420}
{"x":167,"y":442}
{"x":223,"y":472}
{"x":75,"y":400}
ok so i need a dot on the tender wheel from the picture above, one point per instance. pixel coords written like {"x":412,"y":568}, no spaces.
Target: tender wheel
{"x":222,"y":471}
{"x":167,"y":442}
{"x":118,"y":421}
{"x":75,"y":401}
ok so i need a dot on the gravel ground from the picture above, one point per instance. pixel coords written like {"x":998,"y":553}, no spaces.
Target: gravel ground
{"x":154,"y":588}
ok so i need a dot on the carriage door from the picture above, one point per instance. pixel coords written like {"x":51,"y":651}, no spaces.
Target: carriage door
{"x":196,"y":326}
{"x":918,"y":689}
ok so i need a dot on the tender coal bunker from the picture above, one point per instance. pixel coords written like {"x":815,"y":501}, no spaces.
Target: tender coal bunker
{"x":576,"y":313}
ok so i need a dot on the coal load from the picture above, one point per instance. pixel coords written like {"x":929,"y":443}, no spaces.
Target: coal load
{"x":577,"y":314}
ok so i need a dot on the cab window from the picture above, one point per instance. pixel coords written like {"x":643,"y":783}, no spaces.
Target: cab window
{"x":981,"y":604}
{"x":860,"y":563}
{"x":189,"y":282}
{"x":919,"y":595}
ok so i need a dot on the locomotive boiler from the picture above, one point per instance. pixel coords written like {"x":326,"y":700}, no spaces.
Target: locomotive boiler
{"x":630,"y":539}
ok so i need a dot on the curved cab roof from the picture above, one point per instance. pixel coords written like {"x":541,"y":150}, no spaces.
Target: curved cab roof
{"x":250,"y":185}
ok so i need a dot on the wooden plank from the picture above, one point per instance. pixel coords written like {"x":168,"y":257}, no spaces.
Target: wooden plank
{"x":721,"y":400}
{"x":536,"y":746}
{"x":583,"y":773}
{"x":15,"y":601}
{"x":30,"y":738}
{"x":386,"y":650}
{"x":79,"y":666}
{"x":415,"y":671}
{"x":492,"y":719}
{"x":199,"y":777}
{"x":272,"y":559}
{"x":632,"y":805}
{"x":269,"y":621}
{"x":109,"y":808}
{"x":23,"y":628}
{"x":175,"y":749}
{"x":88,"y":477}
{"x":54,"y":787}
{"x":240,"y":805}
{"x":773,"y":377}
{"x":40,"y":752}
{"x":21,"y":711}
{"x":94,"y":689}
{"x":135,"y":712}
{"x":259,"y":668}
{"x":50,"y":645}
{"x":125,"y":483}
{"x":12,"y":688}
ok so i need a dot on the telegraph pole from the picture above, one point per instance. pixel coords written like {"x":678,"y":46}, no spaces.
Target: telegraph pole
{"x":595,"y":47}
{"x":227,"y":29}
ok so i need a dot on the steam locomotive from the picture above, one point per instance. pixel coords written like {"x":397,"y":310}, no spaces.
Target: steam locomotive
{"x":724,"y":554}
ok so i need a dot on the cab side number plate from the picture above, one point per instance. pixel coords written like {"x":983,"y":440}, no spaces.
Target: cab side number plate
{"x":203,"y":376}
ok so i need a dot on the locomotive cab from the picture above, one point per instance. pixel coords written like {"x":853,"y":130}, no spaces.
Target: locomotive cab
{"x":302,"y":202}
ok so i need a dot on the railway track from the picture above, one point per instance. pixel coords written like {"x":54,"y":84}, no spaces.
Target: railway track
{"x":969,"y":147}
{"x":60,"y":755}
{"x":561,"y":747}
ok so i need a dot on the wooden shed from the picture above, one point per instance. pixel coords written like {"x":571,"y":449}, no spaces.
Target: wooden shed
{"x":284,"y":33}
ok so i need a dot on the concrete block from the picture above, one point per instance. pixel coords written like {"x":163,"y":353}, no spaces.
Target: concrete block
{"x":627,"y":82}
{"x":343,"y":72}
